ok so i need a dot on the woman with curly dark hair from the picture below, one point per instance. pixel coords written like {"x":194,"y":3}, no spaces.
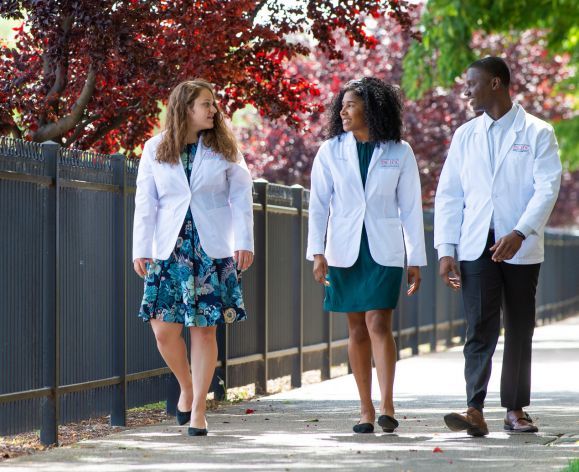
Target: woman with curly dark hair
{"x":365,"y":216}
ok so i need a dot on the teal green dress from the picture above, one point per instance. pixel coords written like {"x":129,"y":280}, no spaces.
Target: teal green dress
{"x":366,"y":285}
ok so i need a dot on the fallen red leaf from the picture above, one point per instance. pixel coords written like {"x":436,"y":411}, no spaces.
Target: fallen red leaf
{"x":436,"y":449}
{"x":249,"y":411}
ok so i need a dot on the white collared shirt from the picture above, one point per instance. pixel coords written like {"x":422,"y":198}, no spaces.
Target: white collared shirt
{"x":497,"y":131}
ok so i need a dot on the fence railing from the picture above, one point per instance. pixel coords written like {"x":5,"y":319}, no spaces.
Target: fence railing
{"x":71,"y":345}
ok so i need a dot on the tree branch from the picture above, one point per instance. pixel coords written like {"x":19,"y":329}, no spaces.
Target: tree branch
{"x":79,"y":129}
{"x":62,"y":67}
{"x":60,"y":72}
{"x":66,"y":123}
{"x":113,"y":123}
{"x":105,"y":127}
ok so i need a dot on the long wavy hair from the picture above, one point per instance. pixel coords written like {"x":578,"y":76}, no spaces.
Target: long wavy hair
{"x":382,"y":109}
{"x":219,"y":138}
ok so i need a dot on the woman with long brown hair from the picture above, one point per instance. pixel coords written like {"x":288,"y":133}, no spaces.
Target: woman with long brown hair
{"x":192,"y":236}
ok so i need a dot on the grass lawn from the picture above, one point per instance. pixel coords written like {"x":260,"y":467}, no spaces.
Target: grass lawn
{"x":572,"y":467}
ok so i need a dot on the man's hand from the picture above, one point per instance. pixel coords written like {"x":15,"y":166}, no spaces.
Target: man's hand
{"x":320,"y":269}
{"x":413,"y":279}
{"x":243,"y":259}
{"x":448,"y":270}
{"x":140,"y":266}
{"x":506,"y":247}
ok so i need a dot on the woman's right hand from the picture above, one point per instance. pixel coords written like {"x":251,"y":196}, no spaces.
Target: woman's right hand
{"x":140,"y":266}
{"x":320,"y":269}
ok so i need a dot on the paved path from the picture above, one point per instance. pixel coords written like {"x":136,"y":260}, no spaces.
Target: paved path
{"x":310,"y":428}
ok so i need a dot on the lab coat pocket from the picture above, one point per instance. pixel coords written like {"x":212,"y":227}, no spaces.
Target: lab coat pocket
{"x":220,"y":220}
{"x":165,"y":218}
{"x":390,"y":230}
{"x":166,"y":176}
{"x":386,"y":179}
{"x":520,"y":166}
{"x":213,"y":198}
{"x":166,"y":232}
{"x":213,"y":169}
{"x":339,"y":235}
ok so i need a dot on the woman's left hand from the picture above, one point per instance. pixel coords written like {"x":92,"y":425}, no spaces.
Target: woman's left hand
{"x":244,"y":259}
{"x":414,"y":279}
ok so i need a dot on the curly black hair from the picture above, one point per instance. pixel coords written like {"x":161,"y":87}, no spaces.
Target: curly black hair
{"x":382,"y":109}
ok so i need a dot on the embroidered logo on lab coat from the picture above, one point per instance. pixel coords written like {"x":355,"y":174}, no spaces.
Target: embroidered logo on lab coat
{"x":210,"y":155}
{"x":389,"y":163}
{"x":521,"y":147}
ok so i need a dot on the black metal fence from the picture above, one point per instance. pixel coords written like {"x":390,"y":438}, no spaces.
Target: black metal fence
{"x":71,"y":345}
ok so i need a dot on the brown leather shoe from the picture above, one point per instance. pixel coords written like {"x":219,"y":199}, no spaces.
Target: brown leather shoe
{"x":472,"y":420}
{"x":519,"y":424}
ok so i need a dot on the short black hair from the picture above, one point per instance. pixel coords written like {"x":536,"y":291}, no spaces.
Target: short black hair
{"x":496,"y":67}
{"x":382,"y":109}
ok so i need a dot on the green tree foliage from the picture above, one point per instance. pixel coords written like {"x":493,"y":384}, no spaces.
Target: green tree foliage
{"x":448,"y":26}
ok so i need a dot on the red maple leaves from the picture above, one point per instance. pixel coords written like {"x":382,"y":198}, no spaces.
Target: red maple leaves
{"x":93,"y":74}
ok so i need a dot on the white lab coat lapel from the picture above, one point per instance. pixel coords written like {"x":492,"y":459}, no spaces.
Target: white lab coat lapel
{"x":510,"y":138}
{"x":351,"y":154}
{"x":482,"y":143}
{"x":181,"y":170}
{"x":380,"y":150}
{"x":197,"y":161}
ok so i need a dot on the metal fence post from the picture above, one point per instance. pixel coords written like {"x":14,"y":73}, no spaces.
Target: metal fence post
{"x":220,"y":381}
{"x":119,"y":399}
{"x":50,"y":287}
{"x":261,"y":186}
{"x":397,"y":320}
{"x":434,"y":316}
{"x":451,"y":318}
{"x":416,"y":335}
{"x":326,"y":371}
{"x":299,"y":251}
{"x":173,"y":392}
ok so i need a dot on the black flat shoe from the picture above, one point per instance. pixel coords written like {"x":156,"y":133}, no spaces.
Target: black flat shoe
{"x":388,"y":423}
{"x":363,"y":428}
{"x":183,"y":417}
{"x":197,"y":431}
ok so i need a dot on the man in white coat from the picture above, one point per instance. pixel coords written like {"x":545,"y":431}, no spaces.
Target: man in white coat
{"x":497,"y":188}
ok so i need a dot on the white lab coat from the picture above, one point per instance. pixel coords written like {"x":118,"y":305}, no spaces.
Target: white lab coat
{"x":521,"y":192}
{"x":390,"y":206}
{"x":219,"y":195}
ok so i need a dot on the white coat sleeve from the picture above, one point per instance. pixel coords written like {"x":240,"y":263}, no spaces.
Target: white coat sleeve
{"x":547,"y":181}
{"x":241,"y":202}
{"x":146,"y":201}
{"x":449,"y":201}
{"x":322,"y":187}
{"x":409,"y":196}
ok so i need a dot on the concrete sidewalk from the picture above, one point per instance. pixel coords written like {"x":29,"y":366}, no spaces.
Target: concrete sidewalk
{"x":311,"y":428}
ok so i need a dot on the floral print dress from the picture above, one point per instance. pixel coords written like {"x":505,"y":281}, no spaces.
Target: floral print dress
{"x":190,"y":287}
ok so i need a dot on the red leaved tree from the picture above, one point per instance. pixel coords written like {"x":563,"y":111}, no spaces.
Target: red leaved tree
{"x":283,"y":155}
{"x":92,"y":74}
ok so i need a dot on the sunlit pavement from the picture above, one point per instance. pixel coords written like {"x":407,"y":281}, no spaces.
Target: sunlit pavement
{"x":311,"y":428}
